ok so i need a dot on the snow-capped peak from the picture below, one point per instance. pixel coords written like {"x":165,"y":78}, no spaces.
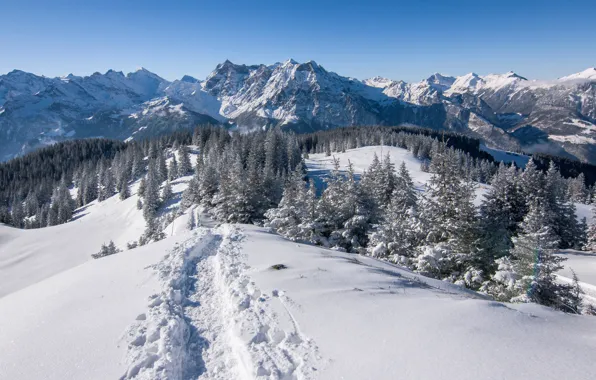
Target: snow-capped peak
{"x":588,"y":74}
{"x":465,"y":82}
{"x":440,"y":82}
{"x":378,"y":82}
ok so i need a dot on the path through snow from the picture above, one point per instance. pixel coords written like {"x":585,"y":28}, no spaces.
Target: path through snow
{"x":210,"y":321}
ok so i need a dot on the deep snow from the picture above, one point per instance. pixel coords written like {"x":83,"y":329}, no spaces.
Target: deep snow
{"x":207,"y":304}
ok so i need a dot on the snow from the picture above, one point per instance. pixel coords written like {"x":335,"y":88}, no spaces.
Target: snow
{"x":373,"y":320}
{"x":30,"y":256}
{"x":319,"y":165}
{"x":588,"y":126}
{"x":209,"y":304}
{"x":474,"y":83}
{"x":71,"y":325}
{"x":378,"y":82}
{"x":574,"y":139}
{"x":588,"y":74}
{"x":506,"y":157}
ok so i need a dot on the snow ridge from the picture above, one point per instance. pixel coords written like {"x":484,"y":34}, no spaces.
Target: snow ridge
{"x":210,"y":321}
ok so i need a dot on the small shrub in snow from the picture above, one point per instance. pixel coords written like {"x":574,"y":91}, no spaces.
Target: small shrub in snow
{"x":278,"y":267}
{"x":106,"y":250}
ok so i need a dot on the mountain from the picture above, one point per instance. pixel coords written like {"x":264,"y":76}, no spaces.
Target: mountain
{"x":506,"y":111}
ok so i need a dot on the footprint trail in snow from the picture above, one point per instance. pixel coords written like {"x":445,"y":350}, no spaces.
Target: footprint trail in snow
{"x":211,"y":321}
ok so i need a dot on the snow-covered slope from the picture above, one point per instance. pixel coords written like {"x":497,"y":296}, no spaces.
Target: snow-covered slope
{"x":29,"y":256}
{"x":238,"y":302}
{"x":72,"y":325}
{"x":588,"y":74}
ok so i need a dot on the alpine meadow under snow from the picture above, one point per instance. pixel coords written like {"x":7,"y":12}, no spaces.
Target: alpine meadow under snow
{"x":358,"y":253}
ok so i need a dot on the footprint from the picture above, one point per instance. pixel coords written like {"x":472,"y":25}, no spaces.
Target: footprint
{"x":294,"y":338}
{"x":153,"y":335}
{"x":261,"y":336}
{"x":138,"y":341}
{"x":277,"y":336}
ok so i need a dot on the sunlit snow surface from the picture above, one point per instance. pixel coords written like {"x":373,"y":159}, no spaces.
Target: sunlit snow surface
{"x":206,"y":304}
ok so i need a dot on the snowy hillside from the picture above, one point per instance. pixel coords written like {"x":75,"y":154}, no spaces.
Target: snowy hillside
{"x":239,"y":302}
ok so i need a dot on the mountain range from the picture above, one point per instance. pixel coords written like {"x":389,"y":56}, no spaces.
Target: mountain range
{"x":506,"y":111}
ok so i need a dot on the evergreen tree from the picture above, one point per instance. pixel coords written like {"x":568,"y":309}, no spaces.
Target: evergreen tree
{"x":287,"y":217}
{"x":191,"y":224}
{"x":173,"y":169}
{"x":185,"y":167}
{"x":500,"y":213}
{"x":161,"y":173}
{"x":151,"y":201}
{"x":106,"y":250}
{"x":449,"y":222}
{"x":166,"y":192}
{"x":577,"y":189}
{"x":124,"y":191}
{"x":529,"y":276}
{"x":397,"y":236}
{"x":591,"y":233}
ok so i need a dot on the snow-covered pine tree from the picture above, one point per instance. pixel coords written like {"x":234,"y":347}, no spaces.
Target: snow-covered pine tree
{"x":582,"y":236}
{"x":173,"y":169}
{"x":166,"y":192}
{"x":112,"y":250}
{"x":449,"y":221}
{"x":161,"y":167}
{"x":530,"y":276}
{"x":208,"y":184}
{"x":184,"y":167}
{"x":142,"y":187}
{"x":151,"y":201}
{"x":500,"y":213}
{"x":191,"y":223}
{"x":124,"y":190}
{"x":532,"y":184}
{"x":577,"y":189}
{"x":561,"y":210}
{"x":397,"y":236}
{"x":343,"y":211}
{"x":591,"y":234}
{"x":62,"y":205}
{"x":292,"y":211}
{"x":107,"y":183}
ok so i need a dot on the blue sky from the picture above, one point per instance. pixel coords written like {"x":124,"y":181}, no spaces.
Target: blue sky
{"x":396,"y":39}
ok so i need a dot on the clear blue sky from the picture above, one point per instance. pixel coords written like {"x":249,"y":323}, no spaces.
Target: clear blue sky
{"x":396,"y":39}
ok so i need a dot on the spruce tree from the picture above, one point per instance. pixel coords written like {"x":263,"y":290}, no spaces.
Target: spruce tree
{"x":397,"y":236}
{"x":291,"y":212}
{"x":166,"y":192}
{"x":191,"y":223}
{"x":530,"y":275}
{"x":184,"y":167}
{"x":173,"y":169}
{"x":449,"y":220}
